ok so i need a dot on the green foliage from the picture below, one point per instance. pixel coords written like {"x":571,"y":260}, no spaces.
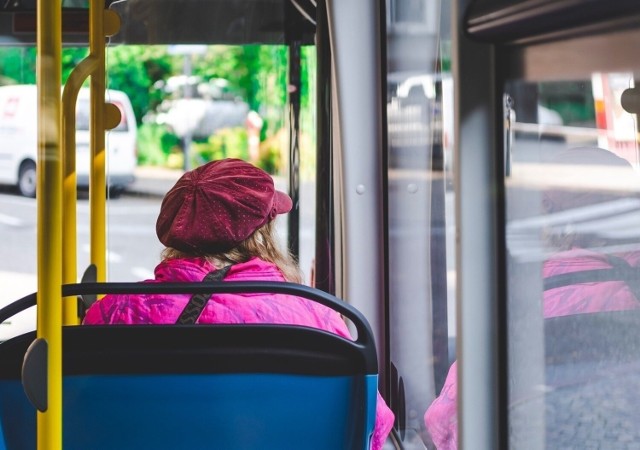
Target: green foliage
{"x":273,"y":151}
{"x":234,"y":143}
{"x":18,"y":65}
{"x":134,"y":69}
{"x":258,"y":74}
{"x":226,"y":143}
{"x":270,"y":158}
{"x":155,"y":144}
{"x":71,"y":57}
{"x":572,"y":100}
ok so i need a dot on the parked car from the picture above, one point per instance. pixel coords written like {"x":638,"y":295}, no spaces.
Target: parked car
{"x":18,"y":135}
{"x":420,"y":116}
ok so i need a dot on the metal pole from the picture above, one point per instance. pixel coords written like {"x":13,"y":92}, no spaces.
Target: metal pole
{"x":187,"y":70}
{"x":294,"y":148}
{"x":49,"y":217}
{"x":324,"y":265}
{"x":97,"y":175}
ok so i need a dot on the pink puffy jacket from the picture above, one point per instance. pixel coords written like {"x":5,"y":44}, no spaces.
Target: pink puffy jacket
{"x":228,"y":308}
{"x":441,"y":420}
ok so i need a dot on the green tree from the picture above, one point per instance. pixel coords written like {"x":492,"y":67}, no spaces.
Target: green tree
{"x":71,"y":57}
{"x":18,"y":65}
{"x":257,"y":72}
{"x":135,"y":69}
{"x":132,"y":69}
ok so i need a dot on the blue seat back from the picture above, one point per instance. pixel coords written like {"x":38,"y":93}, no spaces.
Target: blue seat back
{"x":199,"y":411}
{"x":200,"y":386}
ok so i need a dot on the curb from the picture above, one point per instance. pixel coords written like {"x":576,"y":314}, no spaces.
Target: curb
{"x":155,"y":181}
{"x":152,"y":181}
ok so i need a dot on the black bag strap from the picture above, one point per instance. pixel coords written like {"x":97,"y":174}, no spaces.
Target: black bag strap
{"x":85,"y":301}
{"x":620,"y":270}
{"x":197,"y":302}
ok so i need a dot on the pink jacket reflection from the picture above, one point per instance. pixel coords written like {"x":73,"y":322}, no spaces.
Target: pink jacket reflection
{"x":441,"y":420}
{"x":228,"y":308}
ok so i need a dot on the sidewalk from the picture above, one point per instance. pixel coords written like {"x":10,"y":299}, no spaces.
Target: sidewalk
{"x":153,"y":181}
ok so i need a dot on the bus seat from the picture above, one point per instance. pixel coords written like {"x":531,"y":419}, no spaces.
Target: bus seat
{"x":592,"y":379}
{"x":200,"y":386}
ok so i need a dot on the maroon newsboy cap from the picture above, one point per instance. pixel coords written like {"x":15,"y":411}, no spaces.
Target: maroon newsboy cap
{"x":215,"y":207}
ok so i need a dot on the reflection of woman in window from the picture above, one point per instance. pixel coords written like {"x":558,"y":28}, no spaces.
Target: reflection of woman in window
{"x":578,"y":248}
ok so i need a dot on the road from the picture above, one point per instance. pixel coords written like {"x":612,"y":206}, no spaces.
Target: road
{"x":133,"y":247}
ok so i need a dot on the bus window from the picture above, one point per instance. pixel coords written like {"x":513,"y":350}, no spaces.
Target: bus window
{"x":421,"y":223}
{"x":144,"y":145}
{"x":573,"y":211}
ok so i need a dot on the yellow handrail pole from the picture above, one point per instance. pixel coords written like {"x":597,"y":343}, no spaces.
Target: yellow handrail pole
{"x":97,"y":173}
{"x":49,"y":226}
{"x":70,"y":190}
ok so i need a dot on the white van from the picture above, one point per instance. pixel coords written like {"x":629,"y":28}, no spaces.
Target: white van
{"x":19,"y":145}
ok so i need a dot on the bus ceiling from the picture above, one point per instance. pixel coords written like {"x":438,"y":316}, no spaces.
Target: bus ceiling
{"x":164,"y":22}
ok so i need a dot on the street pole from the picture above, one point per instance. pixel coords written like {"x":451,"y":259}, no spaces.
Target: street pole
{"x":188,"y":137}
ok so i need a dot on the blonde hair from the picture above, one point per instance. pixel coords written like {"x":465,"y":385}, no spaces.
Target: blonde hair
{"x":261,"y":244}
{"x":567,"y":239}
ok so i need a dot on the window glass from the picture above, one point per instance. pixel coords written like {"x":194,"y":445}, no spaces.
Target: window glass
{"x":573,"y":242}
{"x":420,"y":212}
{"x":239,"y":109}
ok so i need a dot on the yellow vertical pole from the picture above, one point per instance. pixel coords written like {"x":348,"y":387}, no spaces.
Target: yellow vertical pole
{"x":69,"y":201}
{"x":97,"y":175}
{"x":70,"y":190}
{"x":49,"y":216}
{"x":107,"y":22}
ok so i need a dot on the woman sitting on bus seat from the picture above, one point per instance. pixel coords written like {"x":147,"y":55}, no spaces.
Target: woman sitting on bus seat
{"x":216,"y":216}
{"x":573,"y":253}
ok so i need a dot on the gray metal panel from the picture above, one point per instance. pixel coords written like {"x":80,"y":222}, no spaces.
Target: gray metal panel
{"x":565,"y":60}
{"x":476,"y":255}
{"x":153,"y":22}
{"x":201,"y":21}
{"x":354,"y":30}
